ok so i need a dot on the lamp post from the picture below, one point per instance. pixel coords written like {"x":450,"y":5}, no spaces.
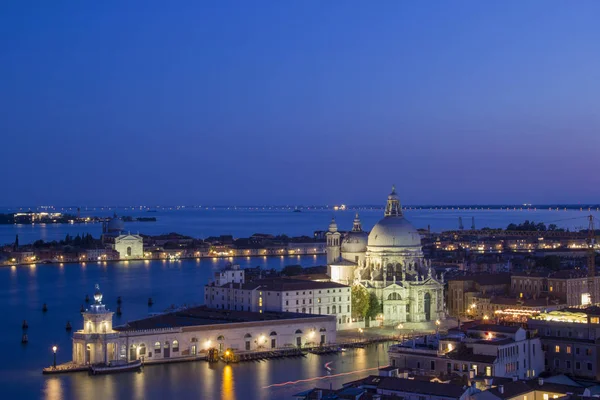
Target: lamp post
{"x":437,"y":327}
{"x":400,"y":327}
{"x":54,"y":348}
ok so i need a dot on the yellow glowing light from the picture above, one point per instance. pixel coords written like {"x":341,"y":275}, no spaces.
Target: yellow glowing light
{"x":54,"y":348}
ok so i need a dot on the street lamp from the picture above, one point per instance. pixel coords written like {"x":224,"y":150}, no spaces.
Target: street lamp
{"x":54,"y":348}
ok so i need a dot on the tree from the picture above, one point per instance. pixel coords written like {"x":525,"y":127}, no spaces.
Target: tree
{"x":374,"y":306}
{"x":360,"y":301}
{"x":550,"y":262}
{"x":292,"y":270}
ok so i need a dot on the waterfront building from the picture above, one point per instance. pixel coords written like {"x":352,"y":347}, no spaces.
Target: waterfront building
{"x":389,"y":262}
{"x":571,"y":338}
{"x":129,"y":246}
{"x":231,"y":292}
{"x":484,"y":350}
{"x":189,"y":333}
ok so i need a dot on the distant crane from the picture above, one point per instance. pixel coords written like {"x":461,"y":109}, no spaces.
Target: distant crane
{"x":473,"y":223}
{"x":460,"y":224}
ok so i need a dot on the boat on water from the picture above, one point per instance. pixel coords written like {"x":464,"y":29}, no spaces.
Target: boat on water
{"x":115,"y":367}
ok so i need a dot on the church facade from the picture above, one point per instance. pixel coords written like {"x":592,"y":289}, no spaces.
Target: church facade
{"x":389,"y":262}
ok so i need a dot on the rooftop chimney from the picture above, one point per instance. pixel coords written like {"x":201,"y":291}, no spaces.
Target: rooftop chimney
{"x":515,"y":378}
{"x":541,"y":381}
{"x":501,"y":389}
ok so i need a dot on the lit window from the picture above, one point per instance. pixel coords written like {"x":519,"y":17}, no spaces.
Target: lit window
{"x":595,"y":320}
{"x":568,"y":349}
{"x":557,"y":349}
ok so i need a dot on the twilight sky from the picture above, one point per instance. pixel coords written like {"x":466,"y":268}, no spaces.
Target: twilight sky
{"x":299,"y":102}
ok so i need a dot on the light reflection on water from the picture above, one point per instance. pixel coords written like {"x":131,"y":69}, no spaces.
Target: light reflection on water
{"x":23,"y":291}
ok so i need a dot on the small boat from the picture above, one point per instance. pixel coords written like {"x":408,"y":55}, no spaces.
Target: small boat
{"x":327,"y":367}
{"x":116,"y":366}
{"x":342,"y":349}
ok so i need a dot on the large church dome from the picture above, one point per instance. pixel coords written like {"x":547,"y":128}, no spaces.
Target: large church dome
{"x":394,"y":230}
{"x":115,"y":224}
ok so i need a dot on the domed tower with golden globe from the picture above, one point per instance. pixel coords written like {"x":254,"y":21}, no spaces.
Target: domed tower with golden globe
{"x":97,"y":342}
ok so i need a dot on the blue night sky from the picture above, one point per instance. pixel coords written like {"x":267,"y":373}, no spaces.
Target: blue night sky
{"x":299,"y":102}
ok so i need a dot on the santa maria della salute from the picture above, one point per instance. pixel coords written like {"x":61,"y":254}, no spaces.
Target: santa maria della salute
{"x":389,"y":262}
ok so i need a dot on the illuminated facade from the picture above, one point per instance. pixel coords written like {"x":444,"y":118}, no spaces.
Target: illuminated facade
{"x":129,"y":246}
{"x":389,"y":262}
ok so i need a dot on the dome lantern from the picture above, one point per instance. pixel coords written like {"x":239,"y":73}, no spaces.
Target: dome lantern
{"x":333,"y":225}
{"x":392,"y":208}
{"x":357,"y":226}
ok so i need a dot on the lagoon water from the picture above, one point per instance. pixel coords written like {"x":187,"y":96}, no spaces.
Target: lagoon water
{"x":201,"y":223}
{"x":23,"y":291}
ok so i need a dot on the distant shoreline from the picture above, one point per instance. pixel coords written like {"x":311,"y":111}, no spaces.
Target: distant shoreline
{"x":106,"y":262}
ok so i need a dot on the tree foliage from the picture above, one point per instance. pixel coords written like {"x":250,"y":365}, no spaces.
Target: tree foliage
{"x":360,"y":301}
{"x":292,"y":270}
{"x":374,"y":306}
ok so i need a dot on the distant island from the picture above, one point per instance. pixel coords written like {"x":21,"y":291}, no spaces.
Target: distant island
{"x":28,"y":218}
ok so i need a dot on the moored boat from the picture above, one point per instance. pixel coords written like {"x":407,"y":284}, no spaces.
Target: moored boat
{"x":115,"y":367}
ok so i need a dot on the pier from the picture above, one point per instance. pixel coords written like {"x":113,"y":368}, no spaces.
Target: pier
{"x":245,"y":356}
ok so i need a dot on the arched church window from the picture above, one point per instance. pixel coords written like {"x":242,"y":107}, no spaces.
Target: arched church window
{"x":394,"y":296}
{"x":129,"y":251}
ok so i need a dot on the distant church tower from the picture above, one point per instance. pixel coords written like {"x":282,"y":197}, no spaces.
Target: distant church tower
{"x":333,"y":243}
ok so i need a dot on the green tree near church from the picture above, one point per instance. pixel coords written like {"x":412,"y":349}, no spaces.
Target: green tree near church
{"x":375,"y":307}
{"x":360,"y":301}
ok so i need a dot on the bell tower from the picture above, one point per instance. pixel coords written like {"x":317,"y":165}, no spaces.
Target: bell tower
{"x":333,"y":242}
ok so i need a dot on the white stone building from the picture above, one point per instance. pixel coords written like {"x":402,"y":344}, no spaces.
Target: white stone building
{"x":129,"y":246}
{"x":389,"y":262}
{"x":485,"y":350}
{"x":283,"y":295}
{"x":190,"y":333}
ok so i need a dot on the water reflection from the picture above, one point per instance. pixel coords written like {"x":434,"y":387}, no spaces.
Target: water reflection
{"x":53,"y":389}
{"x":139,"y":387}
{"x":227,"y":390}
